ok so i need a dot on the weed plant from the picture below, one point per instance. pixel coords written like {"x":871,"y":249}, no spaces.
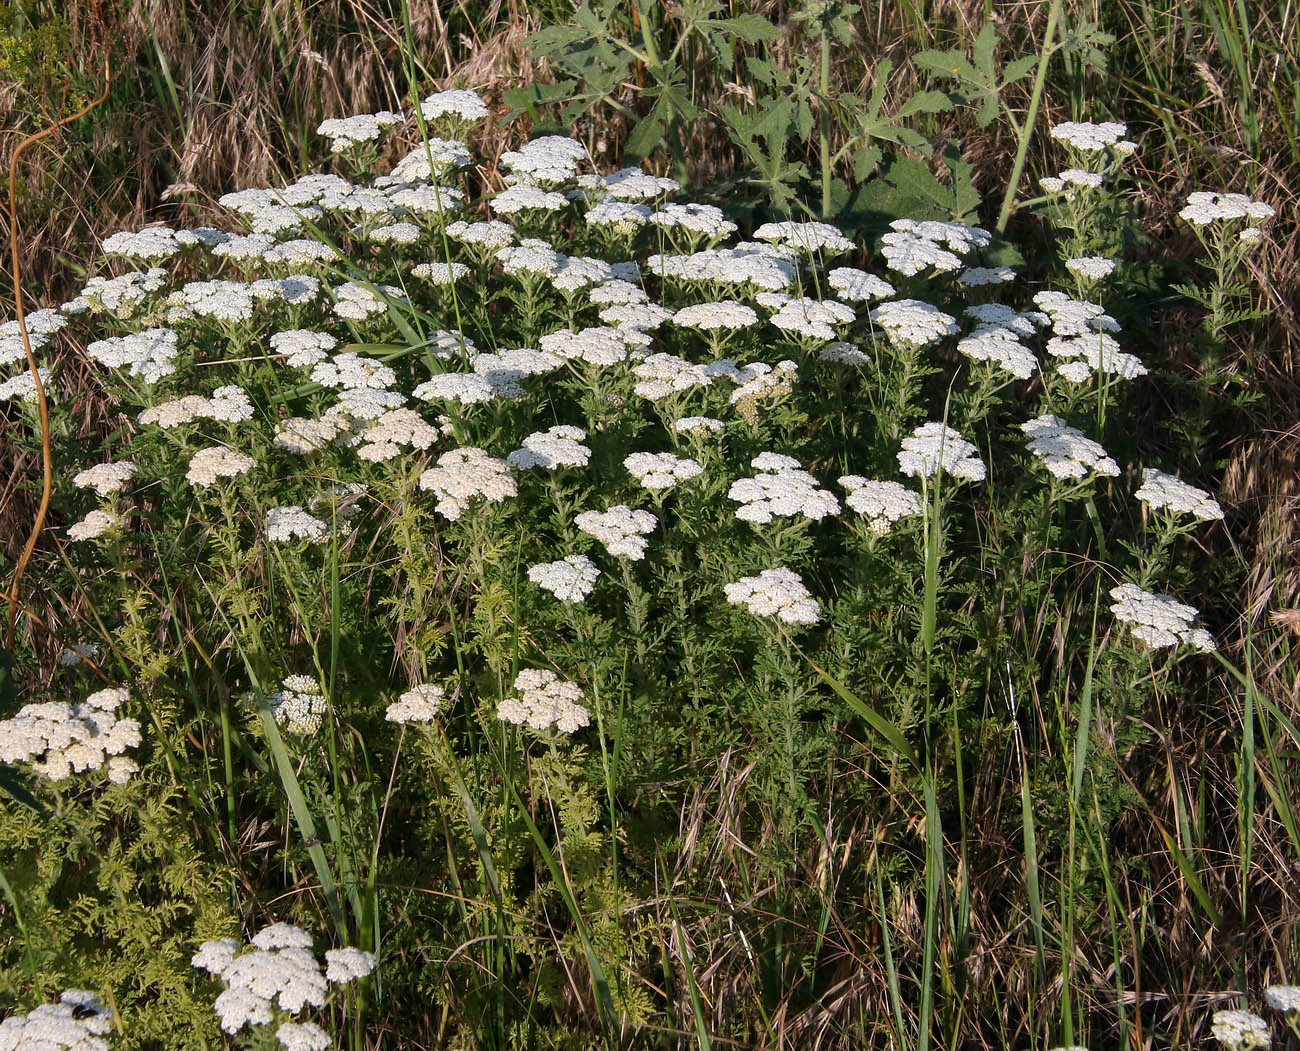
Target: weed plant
{"x":611,"y":630}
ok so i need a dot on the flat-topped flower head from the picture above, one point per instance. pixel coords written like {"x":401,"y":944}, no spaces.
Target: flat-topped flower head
{"x":1284,"y":998}
{"x":727,"y":266}
{"x":858,"y":286}
{"x":302,"y":348}
{"x":1001,"y":347}
{"x":559,"y":446}
{"x":660,"y":472}
{"x":299,"y":707}
{"x":621,"y":529}
{"x":934,"y":447}
{"x":105,"y":478}
{"x":596,"y":346}
{"x":628,"y":184}
{"x":569,"y":579}
{"x":1065,"y":451}
{"x":914,"y":322}
{"x":805,"y":237}
{"x":292,"y":522}
{"x":703,"y":220}
{"x":1158,"y":620}
{"x":78,"y":1022}
{"x":726,"y":314}
{"x":698,"y":425}
{"x":1087,"y":137}
{"x":464,"y":476}
{"x":812,"y":319}
{"x":1240,"y":1030}
{"x":526,"y":197}
{"x":1204,"y":208}
{"x":778,"y":593}
{"x":56,"y":739}
{"x":781,"y":488}
{"x":347,"y":964}
{"x":460,"y":103}
{"x":419,"y":704}
{"x":978,"y":276}
{"x":880,"y":503}
{"x":544,"y":701}
{"x":358,"y":129}
{"x":1091,"y":267}
{"x":1165,"y":492}
{"x":209,"y":466}
{"x":149,"y":354}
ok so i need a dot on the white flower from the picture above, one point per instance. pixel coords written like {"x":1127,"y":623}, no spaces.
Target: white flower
{"x":514,"y":364}
{"x":348,"y":964}
{"x":1001,"y":346}
{"x":1065,"y":451}
{"x":692,"y":424}
{"x":1204,"y":208}
{"x":643,"y":316}
{"x":1093,"y":267}
{"x":728,"y":266}
{"x":300,"y":434}
{"x":468,"y":388}
{"x":881,"y":503}
{"x":77,"y":1022}
{"x":525,"y":197}
{"x":858,"y":285}
{"x":440,"y":273}
{"x":759,"y":380}
{"x":396,"y":427}
{"x":933,"y":446}
{"x":1089,"y":138}
{"x":544,"y":701}
{"x":207,"y":466}
{"x":559,"y":446}
{"x":1158,"y":620}
{"x":908,"y":254}
{"x":620,"y":216}
{"x":975,"y":276}
{"x":960,"y":237}
{"x":548,"y":160}
{"x":467,"y":474}
{"x":244,"y":247}
{"x":709,"y":317}
{"x":1160,"y":490}
{"x":1073,"y":317}
{"x":914,"y":321}
{"x":58,"y":739}
{"x":152,"y":244}
{"x":491,"y":235}
{"x":1285,"y":998}
{"x":365,"y":403}
{"x":302,"y":348}
{"x":617,"y":293}
{"x":702,"y":219}
{"x":462,"y":103}
{"x":150,"y":354}
{"x":105,"y":478}
{"x":571,"y":579}
{"x":300,"y":712}
{"x":419,"y":704}
{"x":1079,"y":177}
{"x":344,"y":132}
{"x":75,"y":653}
{"x":353,"y":371}
{"x":596,"y":346}
{"x":806,"y":237}
{"x":629,"y":184}
{"x":1097,"y":352}
{"x":395,"y":234}
{"x":843,"y":354}
{"x":780,"y":488}
{"x":446,"y":155}
{"x":660,"y":472}
{"x":1240,"y":1030}
{"x":303,"y":1036}
{"x":356,"y":302}
{"x":621,"y":529}
{"x":215,"y":956}
{"x":776,"y":593}
{"x":291,"y":523}
{"x":812,"y":318}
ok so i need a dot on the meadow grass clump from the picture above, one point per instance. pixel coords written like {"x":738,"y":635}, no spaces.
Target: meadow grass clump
{"x":598,"y":627}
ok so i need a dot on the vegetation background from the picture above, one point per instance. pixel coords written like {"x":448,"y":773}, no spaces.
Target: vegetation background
{"x":209,"y":97}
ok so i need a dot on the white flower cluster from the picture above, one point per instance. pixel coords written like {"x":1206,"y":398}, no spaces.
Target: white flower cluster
{"x":914,"y":246}
{"x":621,"y":529}
{"x":661,"y":375}
{"x":22,"y":387}
{"x":345,"y":132}
{"x":914,"y":322}
{"x":702,"y":219}
{"x":96,"y":524}
{"x":596,"y":346}
{"x":121,"y":295}
{"x":1240,"y":1030}
{"x":440,"y":273}
{"x":433,"y":158}
{"x":105,"y":478}
{"x":1204,"y":208}
{"x":11,"y":337}
{"x":526,"y":197}
{"x":1065,"y":451}
{"x":357,"y":302}
{"x":776,"y":593}
{"x":629,"y":184}
{"x":569,"y":579}
{"x":758,"y":267}
{"x":759,"y":380}
{"x":1284,"y":998}
{"x":1158,"y":620}
{"x":299,"y":706}
{"x":880,"y":503}
{"x":467,"y":474}
{"x":208,"y":466}
{"x":468,"y":388}
{"x":660,"y":472}
{"x":812,"y":318}
{"x":1001,"y":346}
{"x":544,"y":700}
{"x":292,"y":522}
{"x":302,"y":348}
{"x":843,"y":354}
{"x":698,"y":424}
{"x":858,"y":286}
{"x":805,"y":237}
{"x":152,"y":244}
{"x":1087,"y":137}
{"x":780,"y":488}
{"x":710,"y":317}
{"x":353,"y":371}
{"x":935,"y":446}
{"x":300,"y":434}
{"x":396,"y":428}
{"x":1092,"y":267}
{"x":279,"y":970}
{"x":1164,"y":491}
{"x":977,"y":276}
{"x":419,"y":704}
{"x":227,"y":405}
{"x":620,"y":217}
{"x":149,"y":354}
{"x":559,"y":446}
{"x":57,"y":739}
{"x":548,"y":160}
{"x":77,"y":1022}
{"x":466,"y":105}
